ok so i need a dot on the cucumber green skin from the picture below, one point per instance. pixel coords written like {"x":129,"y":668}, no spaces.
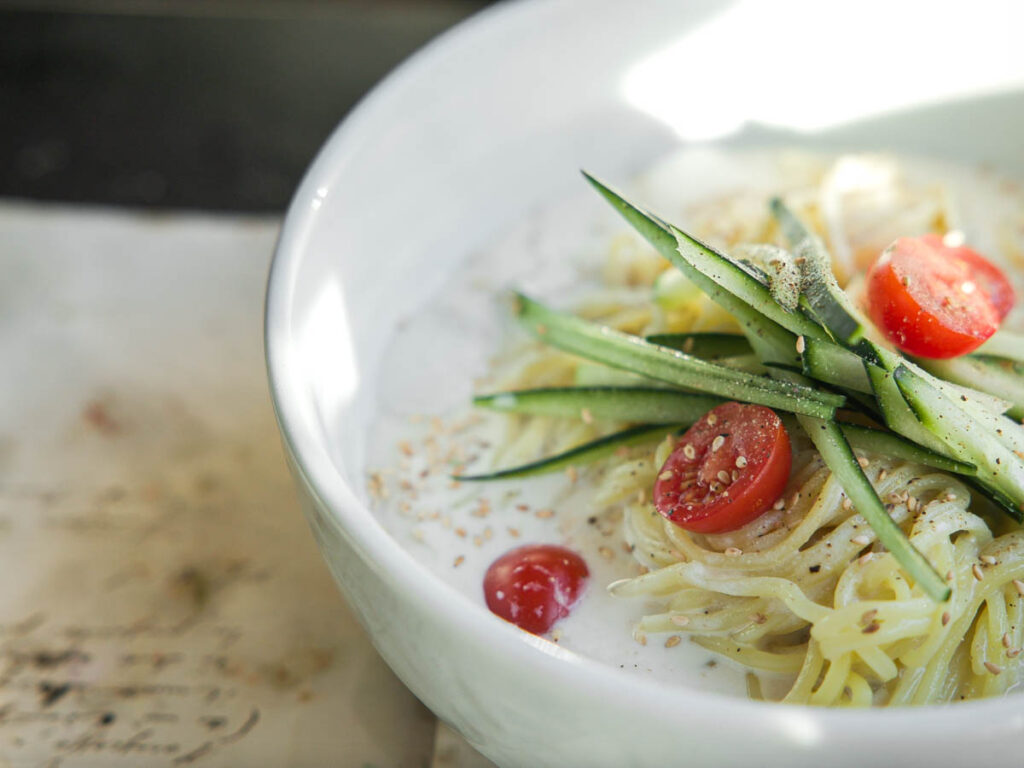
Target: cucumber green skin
{"x":890,"y":444}
{"x":1004,"y":344}
{"x":998,"y":467}
{"x":581,"y":454}
{"x":706,"y":345}
{"x":632,"y":353}
{"x":631,"y":404}
{"x":836,"y":365}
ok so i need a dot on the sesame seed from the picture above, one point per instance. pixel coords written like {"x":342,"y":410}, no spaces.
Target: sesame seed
{"x":759,"y":618}
{"x":949,"y":497}
{"x":712,"y":419}
{"x":871,"y":628}
{"x":724,"y":477}
{"x":689,"y":452}
{"x":679,"y":620}
{"x":572,"y":474}
{"x":405,"y":447}
{"x":1006,"y":640}
{"x":864,"y":559}
{"x":733,"y":552}
{"x":556,"y":635}
{"x":779,"y":504}
{"x":715,"y":487}
{"x":995,"y":669}
{"x":459,"y":561}
{"x":868,"y":616}
{"x":587,"y":416}
{"x":718,"y":442}
{"x":847,"y":504}
{"x":945,"y":618}
{"x":741,"y":462}
{"x":668,"y":474}
{"x":1013,"y":654}
{"x":641,"y":638}
{"x":882,"y":475}
{"x":641,"y":496}
{"x":513,"y":532}
{"x":673,"y":641}
{"x":606,"y":553}
{"x":912,"y":503}
{"x":988,"y":559}
{"x":488,"y":533}
{"x":801,"y":345}
{"x":1019,"y":586}
{"x":949,"y":575}
{"x":861,"y":540}
{"x":460,"y":532}
{"x":735,"y":476}
{"x":523,"y":507}
{"x":544,"y":514}
{"x":976,"y":570}
{"x":478,"y":541}
{"x":863,"y":462}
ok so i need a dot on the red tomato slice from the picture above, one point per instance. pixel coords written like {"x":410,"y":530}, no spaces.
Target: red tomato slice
{"x":535,"y":585}
{"x":937,"y":301}
{"x":727,"y":470}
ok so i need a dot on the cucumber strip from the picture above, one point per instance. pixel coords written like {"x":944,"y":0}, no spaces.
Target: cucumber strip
{"x":663,"y":238}
{"x":581,"y":454}
{"x":897,"y":414}
{"x":1000,"y":500}
{"x":706,"y":345}
{"x":631,"y":353}
{"x":1005,"y":344}
{"x":780,"y":269}
{"x":597,"y":375}
{"x":833,"y":364}
{"x":998,"y":467}
{"x":642,"y":404}
{"x":829,"y":439}
{"x":822,"y":297}
{"x":891,"y":444}
{"x":1003,"y":379}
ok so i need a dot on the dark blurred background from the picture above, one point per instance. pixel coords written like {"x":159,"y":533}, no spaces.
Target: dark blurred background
{"x":199,"y":104}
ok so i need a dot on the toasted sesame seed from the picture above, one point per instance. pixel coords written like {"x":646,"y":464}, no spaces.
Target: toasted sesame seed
{"x":988,"y":559}
{"x":641,"y":638}
{"x":733,"y":552}
{"x":864,"y":559}
{"x":572,"y":474}
{"x":912,"y":503}
{"x":556,"y":635}
{"x":460,"y":532}
{"x":715,"y":487}
{"x":759,"y":618}
{"x":488,"y":533}
{"x":976,"y":570}
{"x":459,"y":561}
{"x":679,"y":620}
{"x":718,"y":442}
{"x":724,"y":477}
{"x":779,"y":505}
{"x":949,"y":575}
{"x":882,"y":475}
{"x":861,"y":540}
{"x":735,"y":476}
{"x":1006,"y":640}
{"x":513,"y":532}
{"x":949,"y":497}
{"x":741,"y":462}
{"x":712,"y":419}
{"x":863,"y":462}
{"x":871,"y":628}
{"x":801,"y":345}
{"x":523,"y":507}
{"x":995,"y":669}
{"x":673,"y":641}
{"x":847,"y":504}
{"x":587,"y":416}
{"x":945,"y":618}
{"x":478,"y":541}
{"x":1013,"y":654}
{"x":668,"y":474}
{"x":689,"y":451}
{"x":641,"y":496}
{"x":1019,"y":586}
{"x":868,"y":616}
{"x":606,"y":553}
{"x":544,"y":514}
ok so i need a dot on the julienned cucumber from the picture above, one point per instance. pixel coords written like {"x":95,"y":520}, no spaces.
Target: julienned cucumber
{"x":885,"y":443}
{"x":581,"y":454}
{"x":636,"y":404}
{"x":998,"y":466}
{"x":710,"y":346}
{"x":632,"y":353}
{"x":835,"y":365}
{"x":1005,"y":344}
{"x":1003,"y":379}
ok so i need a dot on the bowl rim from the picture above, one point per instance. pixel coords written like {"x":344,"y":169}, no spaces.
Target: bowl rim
{"x":391,"y":560}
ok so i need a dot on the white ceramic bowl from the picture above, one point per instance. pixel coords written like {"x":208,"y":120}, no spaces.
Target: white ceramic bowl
{"x":494,"y":118}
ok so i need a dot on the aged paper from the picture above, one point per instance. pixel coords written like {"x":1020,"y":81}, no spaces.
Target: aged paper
{"x":162,"y":602}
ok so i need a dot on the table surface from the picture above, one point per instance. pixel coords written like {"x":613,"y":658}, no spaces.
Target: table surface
{"x":163,"y":601}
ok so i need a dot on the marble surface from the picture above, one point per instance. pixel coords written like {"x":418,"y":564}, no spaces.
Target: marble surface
{"x":162,"y":601}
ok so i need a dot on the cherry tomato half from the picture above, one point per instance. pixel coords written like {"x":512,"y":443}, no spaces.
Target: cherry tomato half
{"x":535,"y":585}
{"x":727,"y":469}
{"x":934,"y":300}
